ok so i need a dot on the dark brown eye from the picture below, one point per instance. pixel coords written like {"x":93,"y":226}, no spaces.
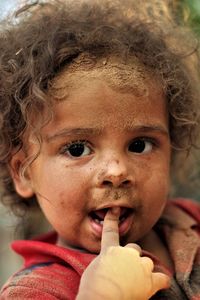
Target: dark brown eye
{"x":76,"y":149}
{"x":140,"y":146}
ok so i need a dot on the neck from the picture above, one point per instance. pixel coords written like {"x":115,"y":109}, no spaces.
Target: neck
{"x":153,"y":244}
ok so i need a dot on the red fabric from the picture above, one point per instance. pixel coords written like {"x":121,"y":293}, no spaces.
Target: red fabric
{"x":52,"y":272}
{"x":57,"y":280}
{"x":190,"y":207}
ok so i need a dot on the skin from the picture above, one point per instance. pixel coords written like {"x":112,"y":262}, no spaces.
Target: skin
{"x":115,"y":269}
{"x":109,"y":173}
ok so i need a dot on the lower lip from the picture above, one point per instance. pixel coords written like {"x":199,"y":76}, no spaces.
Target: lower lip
{"x":123,"y":226}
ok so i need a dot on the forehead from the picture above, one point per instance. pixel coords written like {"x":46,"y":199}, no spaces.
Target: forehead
{"x":114,"y":96}
{"x":107,"y":92}
{"x":125,"y":76}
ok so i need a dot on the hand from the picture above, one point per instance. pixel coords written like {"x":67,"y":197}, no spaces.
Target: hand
{"x":119,"y":272}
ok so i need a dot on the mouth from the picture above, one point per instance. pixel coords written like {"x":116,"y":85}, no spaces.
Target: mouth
{"x":97,"y":219}
{"x":99,"y":215}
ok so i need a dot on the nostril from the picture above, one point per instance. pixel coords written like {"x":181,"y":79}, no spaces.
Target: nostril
{"x":123,"y":183}
{"x":107,"y":183}
{"x":126,"y":183}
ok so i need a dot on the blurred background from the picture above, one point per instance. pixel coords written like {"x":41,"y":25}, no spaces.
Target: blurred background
{"x":9,"y":262}
{"x":9,"y":229}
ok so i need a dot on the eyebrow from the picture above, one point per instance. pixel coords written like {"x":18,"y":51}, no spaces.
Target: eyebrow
{"x":72,"y":132}
{"x":97,"y":131}
{"x":151,"y":128}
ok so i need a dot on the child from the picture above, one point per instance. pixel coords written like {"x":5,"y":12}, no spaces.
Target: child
{"x":99,"y":103}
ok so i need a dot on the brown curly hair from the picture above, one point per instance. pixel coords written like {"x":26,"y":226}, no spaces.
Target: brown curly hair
{"x":43,"y":38}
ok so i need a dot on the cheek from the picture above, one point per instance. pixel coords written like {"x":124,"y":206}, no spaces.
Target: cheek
{"x":154,"y":183}
{"x":58,"y":195}
{"x":73,"y":195}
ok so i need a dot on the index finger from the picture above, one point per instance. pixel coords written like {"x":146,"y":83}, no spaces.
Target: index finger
{"x":110,"y":233}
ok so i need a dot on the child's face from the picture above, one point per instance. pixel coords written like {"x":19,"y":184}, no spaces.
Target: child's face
{"x":103,"y":149}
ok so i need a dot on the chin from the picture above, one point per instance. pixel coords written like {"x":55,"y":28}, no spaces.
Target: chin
{"x":93,"y":247}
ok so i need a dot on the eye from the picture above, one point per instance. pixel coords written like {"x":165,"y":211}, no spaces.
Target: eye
{"x":141,"y":145}
{"x":76,"y":149}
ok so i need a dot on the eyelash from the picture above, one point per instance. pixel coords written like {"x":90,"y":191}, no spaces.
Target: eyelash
{"x":153,"y":141}
{"x":79,"y":149}
{"x":66,"y":147}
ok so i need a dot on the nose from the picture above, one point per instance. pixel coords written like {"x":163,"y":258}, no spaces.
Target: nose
{"x":115,"y":173}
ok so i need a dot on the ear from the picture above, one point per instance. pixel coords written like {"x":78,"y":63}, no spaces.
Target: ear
{"x":21,"y":182}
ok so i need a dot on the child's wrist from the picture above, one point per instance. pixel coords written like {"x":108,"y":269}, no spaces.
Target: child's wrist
{"x":105,"y":288}
{"x":93,"y":295}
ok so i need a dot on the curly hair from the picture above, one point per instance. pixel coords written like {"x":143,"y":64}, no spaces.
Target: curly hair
{"x":45,"y":37}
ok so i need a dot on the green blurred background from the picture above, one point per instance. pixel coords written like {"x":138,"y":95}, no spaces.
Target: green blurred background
{"x":10,"y":262}
{"x":193,"y":9}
